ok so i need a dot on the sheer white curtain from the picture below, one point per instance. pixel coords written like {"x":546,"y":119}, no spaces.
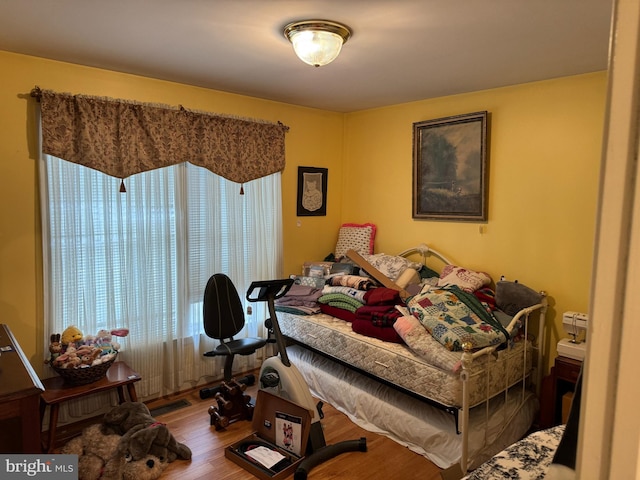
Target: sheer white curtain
{"x":141,"y":259}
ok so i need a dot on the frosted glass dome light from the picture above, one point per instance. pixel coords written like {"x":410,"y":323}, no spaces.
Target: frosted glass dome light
{"x":317,"y":42}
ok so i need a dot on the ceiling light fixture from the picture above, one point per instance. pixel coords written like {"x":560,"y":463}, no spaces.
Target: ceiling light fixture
{"x":317,"y":42}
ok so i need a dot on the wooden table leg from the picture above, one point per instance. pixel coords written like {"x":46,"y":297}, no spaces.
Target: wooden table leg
{"x":53,"y":423}
{"x":132,"y":392}
{"x":31,"y":425}
{"x":43,"y":407}
{"x":121,"y":397}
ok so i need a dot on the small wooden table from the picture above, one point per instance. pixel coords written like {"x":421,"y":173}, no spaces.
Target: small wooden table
{"x":57,"y":391}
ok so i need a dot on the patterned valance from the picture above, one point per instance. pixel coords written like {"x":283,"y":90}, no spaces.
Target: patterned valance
{"x":122,"y":138}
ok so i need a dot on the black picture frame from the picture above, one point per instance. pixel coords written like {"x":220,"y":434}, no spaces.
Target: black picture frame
{"x":312,"y":191}
{"x":450,"y":168}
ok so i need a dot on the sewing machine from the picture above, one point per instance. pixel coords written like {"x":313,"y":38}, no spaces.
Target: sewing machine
{"x":575,"y":324}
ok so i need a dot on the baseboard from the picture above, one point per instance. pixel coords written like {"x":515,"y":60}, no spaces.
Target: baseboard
{"x":454,"y":472}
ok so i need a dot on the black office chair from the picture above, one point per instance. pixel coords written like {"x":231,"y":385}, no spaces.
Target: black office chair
{"x":223,"y":319}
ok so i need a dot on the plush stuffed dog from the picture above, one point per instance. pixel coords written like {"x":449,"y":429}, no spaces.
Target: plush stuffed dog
{"x":124,"y":465}
{"x":121,"y":418}
{"x":157,"y":440}
{"x":146,"y":433}
{"x":107,"y":457}
{"x":129,"y":444}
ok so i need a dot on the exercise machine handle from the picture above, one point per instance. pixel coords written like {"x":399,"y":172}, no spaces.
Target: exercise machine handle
{"x":269,"y":291}
{"x":269,"y":288}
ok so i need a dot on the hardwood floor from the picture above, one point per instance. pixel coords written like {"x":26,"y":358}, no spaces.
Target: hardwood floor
{"x":384,"y":458}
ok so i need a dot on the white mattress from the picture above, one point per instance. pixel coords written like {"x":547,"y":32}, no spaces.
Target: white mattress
{"x":424,"y":429}
{"x":397,"y":364}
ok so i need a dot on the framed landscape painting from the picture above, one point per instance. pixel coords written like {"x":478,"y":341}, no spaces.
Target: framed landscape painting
{"x":450,"y":168}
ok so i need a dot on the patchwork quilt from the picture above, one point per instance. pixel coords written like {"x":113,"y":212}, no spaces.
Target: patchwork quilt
{"x":456,"y":319}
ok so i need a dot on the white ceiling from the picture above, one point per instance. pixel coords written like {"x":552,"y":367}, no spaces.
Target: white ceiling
{"x":400,"y":51}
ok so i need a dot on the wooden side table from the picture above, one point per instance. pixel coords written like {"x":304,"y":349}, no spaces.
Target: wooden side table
{"x":119,"y":376}
{"x":565,"y":372}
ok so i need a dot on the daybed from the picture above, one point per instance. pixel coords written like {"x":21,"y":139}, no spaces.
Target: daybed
{"x":451,"y":406}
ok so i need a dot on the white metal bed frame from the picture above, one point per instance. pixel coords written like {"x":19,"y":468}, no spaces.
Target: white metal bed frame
{"x":521,"y":318}
{"x":469,"y":357}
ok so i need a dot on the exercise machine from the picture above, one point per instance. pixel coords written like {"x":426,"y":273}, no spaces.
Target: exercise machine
{"x":280,"y":377}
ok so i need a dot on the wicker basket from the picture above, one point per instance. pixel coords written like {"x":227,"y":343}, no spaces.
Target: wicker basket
{"x":83,"y":376}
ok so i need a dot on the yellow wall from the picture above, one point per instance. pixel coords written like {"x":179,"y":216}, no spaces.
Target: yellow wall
{"x":544,"y":158}
{"x":545,"y":141}
{"x":314,"y":139}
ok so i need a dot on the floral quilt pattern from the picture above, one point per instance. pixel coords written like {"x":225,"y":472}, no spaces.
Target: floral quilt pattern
{"x":528,"y":459}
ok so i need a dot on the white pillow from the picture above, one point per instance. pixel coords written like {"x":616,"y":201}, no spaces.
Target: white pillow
{"x":392,"y":266}
{"x":467,"y":280}
{"x":408,"y":277}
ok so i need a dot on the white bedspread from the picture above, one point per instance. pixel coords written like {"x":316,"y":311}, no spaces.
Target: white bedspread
{"x":424,"y":429}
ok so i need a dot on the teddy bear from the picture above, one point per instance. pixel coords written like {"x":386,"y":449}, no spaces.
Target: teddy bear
{"x":94,"y":449}
{"x":148,"y":435}
{"x":108,"y":456}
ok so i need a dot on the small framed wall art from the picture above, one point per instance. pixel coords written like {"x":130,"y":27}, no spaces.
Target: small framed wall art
{"x":450,"y":168}
{"x":312,"y":191}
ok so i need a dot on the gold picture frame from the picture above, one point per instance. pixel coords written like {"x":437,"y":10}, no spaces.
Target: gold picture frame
{"x":450,"y":168}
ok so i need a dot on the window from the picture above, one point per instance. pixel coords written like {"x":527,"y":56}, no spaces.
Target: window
{"x":141,"y":259}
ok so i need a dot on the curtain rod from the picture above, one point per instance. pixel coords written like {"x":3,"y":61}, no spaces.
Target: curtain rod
{"x":36,"y":92}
